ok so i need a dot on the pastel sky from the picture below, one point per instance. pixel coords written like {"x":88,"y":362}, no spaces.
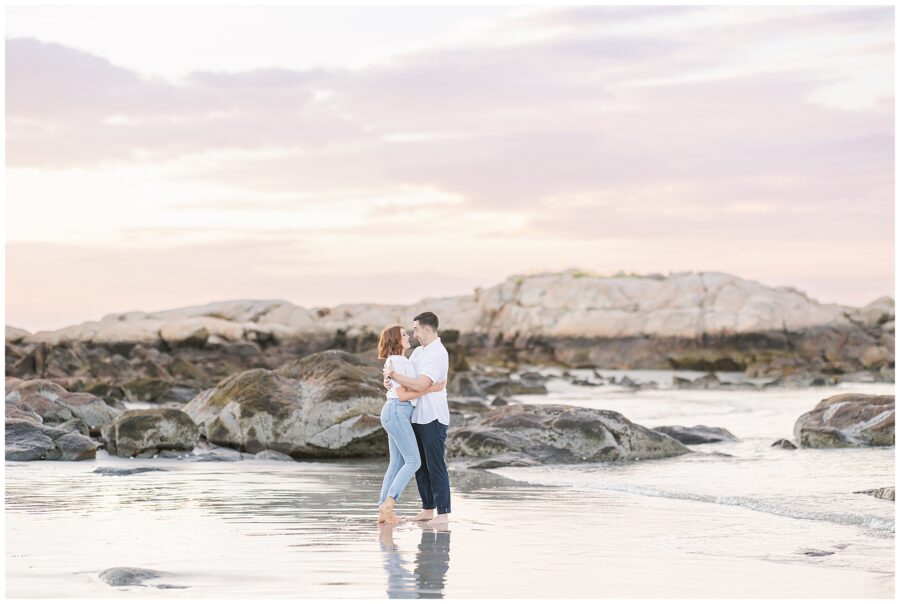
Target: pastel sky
{"x":171,"y":156}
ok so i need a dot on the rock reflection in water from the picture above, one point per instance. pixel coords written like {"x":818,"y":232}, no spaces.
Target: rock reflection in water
{"x":432,"y":561}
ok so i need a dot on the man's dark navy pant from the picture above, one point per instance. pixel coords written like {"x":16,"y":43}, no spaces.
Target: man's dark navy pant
{"x":431,"y":477}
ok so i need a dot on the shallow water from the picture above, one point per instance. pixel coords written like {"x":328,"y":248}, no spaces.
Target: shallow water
{"x":699,"y":525}
{"x":804,"y":484}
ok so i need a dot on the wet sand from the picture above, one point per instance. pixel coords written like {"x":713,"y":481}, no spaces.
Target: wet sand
{"x":276,"y":529}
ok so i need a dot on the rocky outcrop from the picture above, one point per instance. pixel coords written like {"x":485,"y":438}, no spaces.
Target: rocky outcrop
{"x":31,"y":441}
{"x":527,"y":434}
{"x":273,"y":456}
{"x":882,"y":493}
{"x":471,"y":384}
{"x":123,"y":576}
{"x":49,"y":403}
{"x":326,"y":404}
{"x":697,"y":435}
{"x":848,"y":420}
{"x":783,"y":443}
{"x":44,"y":421}
{"x":146,"y":432}
{"x":128,"y":576}
{"x":707,"y":321}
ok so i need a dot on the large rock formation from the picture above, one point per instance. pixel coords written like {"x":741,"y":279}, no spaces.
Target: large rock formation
{"x":706,"y":321}
{"x":848,"y":420}
{"x":147,"y":432}
{"x":46,"y":402}
{"x":326,"y":404}
{"x":530,"y":434}
{"x":29,"y":441}
{"x":44,"y":421}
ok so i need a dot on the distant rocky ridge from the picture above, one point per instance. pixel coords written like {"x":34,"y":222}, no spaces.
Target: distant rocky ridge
{"x":708,"y":321}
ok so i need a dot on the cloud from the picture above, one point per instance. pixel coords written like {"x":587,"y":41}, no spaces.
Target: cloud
{"x":617,"y":130}
{"x":68,"y":108}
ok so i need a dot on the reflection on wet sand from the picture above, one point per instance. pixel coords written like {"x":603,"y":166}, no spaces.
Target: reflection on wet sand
{"x":432,"y":562}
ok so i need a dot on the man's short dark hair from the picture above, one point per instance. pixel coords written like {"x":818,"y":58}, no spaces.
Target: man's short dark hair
{"x":427,"y":318}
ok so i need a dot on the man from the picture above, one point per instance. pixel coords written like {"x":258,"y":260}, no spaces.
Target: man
{"x":430,"y":419}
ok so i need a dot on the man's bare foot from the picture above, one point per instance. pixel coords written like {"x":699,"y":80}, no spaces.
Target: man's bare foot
{"x":424,"y":515}
{"x":439,"y":520}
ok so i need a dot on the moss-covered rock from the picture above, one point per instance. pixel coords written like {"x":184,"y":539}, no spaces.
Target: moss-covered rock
{"x":146,"y":389}
{"x":108,"y":391}
{"x":186,"y":370}
{"x":140,"y":430}
{"x":559,"y":434}
{"x":323,"y":405}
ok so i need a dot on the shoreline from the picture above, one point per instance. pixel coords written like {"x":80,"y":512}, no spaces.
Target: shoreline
{"x":275,"y":529}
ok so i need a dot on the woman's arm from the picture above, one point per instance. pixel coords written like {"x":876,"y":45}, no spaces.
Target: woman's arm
{"x":405,"y":394}
{"x":420,"y":383}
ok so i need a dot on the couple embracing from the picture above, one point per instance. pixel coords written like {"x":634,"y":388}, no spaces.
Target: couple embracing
{"x":416,"y":418}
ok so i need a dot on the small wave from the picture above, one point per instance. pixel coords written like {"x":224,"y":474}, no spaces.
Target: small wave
{"x":879,"y":523}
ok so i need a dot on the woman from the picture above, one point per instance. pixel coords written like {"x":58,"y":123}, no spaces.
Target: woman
{"x":396,"y":416}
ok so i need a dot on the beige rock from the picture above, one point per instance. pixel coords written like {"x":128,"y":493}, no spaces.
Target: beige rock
{"x":876,"y":357}
{"x":14,"y":334}
{"x":875,"y":312}
{"x":556,"y":305}
{"x":184,"y":332}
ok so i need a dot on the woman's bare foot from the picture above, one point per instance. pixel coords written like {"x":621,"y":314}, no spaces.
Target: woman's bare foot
{"x":424,"y":515}
{"x":386,"y":535}
{"x":386,"y":509}
{"x":439,"y":520}
{"x":393,"y":518}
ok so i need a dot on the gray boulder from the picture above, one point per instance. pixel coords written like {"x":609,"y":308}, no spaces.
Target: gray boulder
{"x":29,"y":441}
{"x":471,"y":385}
{"x":559,"y":434}
{"x":113,"y":471}
{"x":16,"y":412}
{"x":882,"y":493}
{"x":697,"y":435}
{"x":273,"y":456}
{"x":848,"y":420}
{"x":75,"y":424}
{"x":126,"y":575}
{"x":510,"y":460}
{"x":326,"y":404}
{"x":144,"y":432}
{"x":784,"y":443}
{"x":710,"y":380}
{"x":219,"y":454}
{"x":464,"y":385}
{"x":55,"y":405}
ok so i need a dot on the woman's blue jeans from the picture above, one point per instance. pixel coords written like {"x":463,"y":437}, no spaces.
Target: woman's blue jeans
{"x":396,"y":419}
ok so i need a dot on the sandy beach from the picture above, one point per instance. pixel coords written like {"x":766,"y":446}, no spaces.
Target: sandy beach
{"x":275,"y":529}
